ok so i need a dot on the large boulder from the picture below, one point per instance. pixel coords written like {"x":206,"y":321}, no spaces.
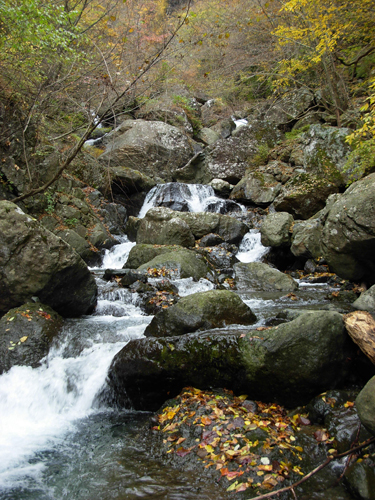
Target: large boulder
{"x":154,"y":228}
{"x":365,"y":404}
{"x":256,"y":276}
{"x":142,"y":253}
{"x":35,"y":262}
{"x":348,"y":235}
{"x":26,"y":334}
{"x":228,"y":159}
{"x":366,"y":301}
{"x":149,"y":147}
{"x":200,"y":311}
{"x":288,"y":108}
{"x":306,"y":238}
{"x":276,"y":230}
{"x":182,"y":263}
{"x":288,"y":364}
{"x":256,"y":188}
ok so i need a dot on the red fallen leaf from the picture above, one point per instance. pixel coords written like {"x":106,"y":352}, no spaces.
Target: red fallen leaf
{"x":231,"y":475}
{"x":182,"y":452}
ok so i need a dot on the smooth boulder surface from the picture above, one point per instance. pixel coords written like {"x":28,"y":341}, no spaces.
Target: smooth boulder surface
{"x":200,"y":311}
{"x":142,"y":253}
{"x":26,"y":334}
{"x":257,"y":188}
{"x":148,"y":147}
{"x":155,"y":228}
{"x":306,"y":238}
{"x":365,"y":404}
{"x":288,"y":364}
{"x":348,"y":236}
{"x":256,"y":276}
{"x":35,"y":262}
{"x":275,"y":230}
{"x":182,"y":263}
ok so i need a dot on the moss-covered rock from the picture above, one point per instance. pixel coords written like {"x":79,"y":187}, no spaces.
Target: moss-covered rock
{"x":26,"y":333}
{"x":256,"y":188}
{"x":35,"y":262}
{"x":142,"y":253}
{"x":275,"y":230}
{"x":201,"y":311}
{"x":182,"y":263}
{"x":256,"y":276}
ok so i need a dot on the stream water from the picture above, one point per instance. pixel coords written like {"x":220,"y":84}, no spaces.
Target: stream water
{"x":57,"y":441}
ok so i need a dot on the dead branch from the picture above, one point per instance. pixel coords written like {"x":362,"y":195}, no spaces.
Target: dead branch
{"x":329,"y":459}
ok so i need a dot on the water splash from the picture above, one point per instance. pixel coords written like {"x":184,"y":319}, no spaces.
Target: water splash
{"x":115,"y":257}
{"x":251,"y":248}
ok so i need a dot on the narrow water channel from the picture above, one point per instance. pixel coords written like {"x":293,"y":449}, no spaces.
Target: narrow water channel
{"x":58,"y":442}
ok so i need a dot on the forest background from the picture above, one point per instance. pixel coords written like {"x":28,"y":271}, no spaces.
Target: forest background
{"x":66,"y":66}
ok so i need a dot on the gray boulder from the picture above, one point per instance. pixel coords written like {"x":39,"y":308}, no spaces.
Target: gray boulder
{"x":256,"y":276}
{"x":35,"y":262}
{"x":153,"y":228}
{"x":200,"y":311}
{"x":26,"y":334}
{"x":228,"y":159}
{"x":276,"y":230}
{"x":288,"y":108}
{"x":256,"y":188}
{"x":306,"y":238}
{"x":149,"y":147}
{"x":366,"y":301}
{"x":365,"y":404}
{"x":348,"y":236}
{"x":182,"y":263}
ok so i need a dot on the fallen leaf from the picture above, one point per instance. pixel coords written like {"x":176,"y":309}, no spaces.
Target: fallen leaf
{"x":23,"y":339}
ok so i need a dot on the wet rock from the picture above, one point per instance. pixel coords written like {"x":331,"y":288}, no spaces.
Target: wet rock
{"x":200,"y":311}
{"x":256,"y":188}
{"x":35,"y":262}
{"x":256,"y":276}
{"x":348,"y":241}
{"x":365,"y":404}
{"x":360,"y":480}
{"x":275,"y":229}
{"x":149,"y":147}
{"x":211,"y":240}
{"x":131,"y":228}
{"x":221,"y":256}
{"x":26,"y":334}
{"x":178,"y":264}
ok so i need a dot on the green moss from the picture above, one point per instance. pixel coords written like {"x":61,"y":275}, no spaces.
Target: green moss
{"x":295,"y":133}
{"x":361,"y":161}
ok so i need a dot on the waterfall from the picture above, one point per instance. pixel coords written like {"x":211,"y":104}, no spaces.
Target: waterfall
{"x":187,"y":198}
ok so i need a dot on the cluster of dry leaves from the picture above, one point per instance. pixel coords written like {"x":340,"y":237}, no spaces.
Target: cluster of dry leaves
{"x":228,"y":441}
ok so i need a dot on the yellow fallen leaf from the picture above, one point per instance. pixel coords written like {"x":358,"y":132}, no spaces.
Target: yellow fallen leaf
{"x":23,"y":339}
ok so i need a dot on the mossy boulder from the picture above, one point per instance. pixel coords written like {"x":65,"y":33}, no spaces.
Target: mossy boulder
{"x":306,"y":238}
{"x":142,"y":253}
{"x":256,"y":276}
{"x":35,"y":262}
{"x":256,"y":188}
{"x":365,"y":404}
{"x":200,"y":311}
{"x":288,"y":364}
{"x":348,"y":236}
{"x":182,"y":263}
{"x":26,"y":333}
{"x":155,"y":228}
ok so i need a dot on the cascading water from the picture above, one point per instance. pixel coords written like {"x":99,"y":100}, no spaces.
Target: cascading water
{"x":57,"y":441}
{"x":186,"y":197}
{"x":251,"y":248}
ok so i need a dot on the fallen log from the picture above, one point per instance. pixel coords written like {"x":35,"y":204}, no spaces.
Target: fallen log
{"x":361,"y":328}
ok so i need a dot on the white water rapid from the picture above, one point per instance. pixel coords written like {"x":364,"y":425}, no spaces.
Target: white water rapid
{"x":251,"y":248}
{"x":44,"y":453}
